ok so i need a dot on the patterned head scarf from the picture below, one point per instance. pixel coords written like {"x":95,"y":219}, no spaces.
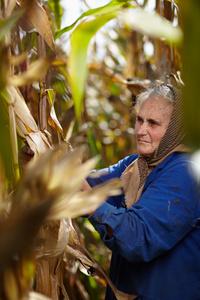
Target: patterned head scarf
{"x":135,"y":175}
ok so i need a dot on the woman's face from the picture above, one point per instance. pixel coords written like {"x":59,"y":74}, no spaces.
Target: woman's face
{"x":151,"y":124}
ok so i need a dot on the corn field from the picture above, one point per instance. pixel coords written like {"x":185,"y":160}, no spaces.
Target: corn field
{"x":72,"y":108}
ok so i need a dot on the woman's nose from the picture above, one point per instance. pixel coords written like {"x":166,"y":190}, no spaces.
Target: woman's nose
{"x":142,"y":128}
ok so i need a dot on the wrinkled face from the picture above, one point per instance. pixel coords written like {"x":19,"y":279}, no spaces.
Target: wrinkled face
{"x":151,"y":124}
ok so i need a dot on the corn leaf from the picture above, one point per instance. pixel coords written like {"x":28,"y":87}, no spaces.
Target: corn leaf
{"x":3,"y":192}
{"x":82,"y":203}
{"x":53,"y":121}
{"x":191,"y":48}
{"x":36,"y":71}
{"x":10,"y":285}
{"x":36,"y":18}
{"x":7,"y":23}
{"x":5,"y":143}
{"x":37,"y":296}
{"x":4,"y":68}
{"x":18,"y":59}
{"x":52,"y":238}
{"x":152,"y":25}
{"x":76,"y":249}
{"x":59,"y":176}
{"x":19,"y":224}
{"x":13,"y":141}
{"x":9,"y":7}
{"x":57,"y":7}
{"x":26,"y":125}
{"x":78,"y":56}
{"x":173,"y":1}
{"x":110,"y":7}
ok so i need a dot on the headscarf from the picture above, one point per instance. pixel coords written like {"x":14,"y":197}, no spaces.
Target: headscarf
{"x":135,"y":175}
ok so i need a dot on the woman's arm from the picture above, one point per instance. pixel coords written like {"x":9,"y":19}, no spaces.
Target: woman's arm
{"x":164,"y":214}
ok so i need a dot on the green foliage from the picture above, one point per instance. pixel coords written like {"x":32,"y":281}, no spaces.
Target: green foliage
{"x":78,"y":56}
{"x":7,"y":23}
{"x":191,"y":63}
{"x":5,"y":143}
{"x":153,"y":25}
{"x":110,"y":7}
{"x":56,"y":9}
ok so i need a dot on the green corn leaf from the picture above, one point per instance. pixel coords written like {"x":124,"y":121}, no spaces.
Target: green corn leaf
{"x":152,"y":25}
{"x":7,"y":23}
{"x":78,"y":56}
{"x":5,"y":143}
{"x":113,"y":5}
{"x":58,"y":13}
{"x":191,"y":63}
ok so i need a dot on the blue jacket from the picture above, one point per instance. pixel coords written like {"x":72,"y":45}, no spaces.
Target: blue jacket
{"x":156,"y":243}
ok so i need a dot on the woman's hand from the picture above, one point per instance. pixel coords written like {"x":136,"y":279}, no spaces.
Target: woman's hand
{"x":86,"y":186}
{"x":26,"y":155}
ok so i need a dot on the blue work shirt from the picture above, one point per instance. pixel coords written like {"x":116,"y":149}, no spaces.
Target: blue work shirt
{"x":156,"y":243}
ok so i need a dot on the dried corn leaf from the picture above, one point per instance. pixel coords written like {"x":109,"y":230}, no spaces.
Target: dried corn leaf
{"x":82,"y":203}
{"x":106,"y":72}
{"x":18,"y":59}
{"x":60,"y":176}
{"x":35,"y":18}
{"x":18,"y":231}
{"x":52,"y":239}
{"x":77,"y":171}
{"x":37,"y":296}
{"x":52,"y":120}
{"x":67,"y":122}
{"x":11,"y":285}
{"x":54,"y":166}
{"x":38,"y":142}
{"x":9,"y":7}
{"x":46,"y":282}
{"x":77,"y":250}
{"x":21,"y":109}
{"x":26,"y":125}
{"x":174,"y":3}
{"x":26,"y":25}
{"x":135,"y":86}
{"x":36,"y":71}
{"x":3,"y":191}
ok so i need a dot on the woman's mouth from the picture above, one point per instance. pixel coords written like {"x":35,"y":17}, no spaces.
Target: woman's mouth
{"x":143,"y":141}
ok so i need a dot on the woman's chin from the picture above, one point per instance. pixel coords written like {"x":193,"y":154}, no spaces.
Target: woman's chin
{"x":144,"y":151}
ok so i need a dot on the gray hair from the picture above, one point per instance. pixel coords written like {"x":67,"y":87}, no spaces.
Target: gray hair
{"x":161,"y":91}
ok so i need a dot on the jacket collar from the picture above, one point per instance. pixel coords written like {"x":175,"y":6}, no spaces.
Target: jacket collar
{"x":158,"y":168}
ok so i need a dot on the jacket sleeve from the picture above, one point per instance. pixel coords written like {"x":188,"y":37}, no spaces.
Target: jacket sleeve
{"x":163,"y":215}
{"x":100,"y":176}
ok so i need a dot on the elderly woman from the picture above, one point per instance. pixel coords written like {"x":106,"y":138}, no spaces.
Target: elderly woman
{"x":153,"y":228}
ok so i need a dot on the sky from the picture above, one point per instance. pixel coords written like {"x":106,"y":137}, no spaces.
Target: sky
{"x":72,"y":9}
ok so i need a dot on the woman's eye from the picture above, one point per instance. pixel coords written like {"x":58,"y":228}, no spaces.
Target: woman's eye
{"x":139,"y":120}
{"x":153,"y":123}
